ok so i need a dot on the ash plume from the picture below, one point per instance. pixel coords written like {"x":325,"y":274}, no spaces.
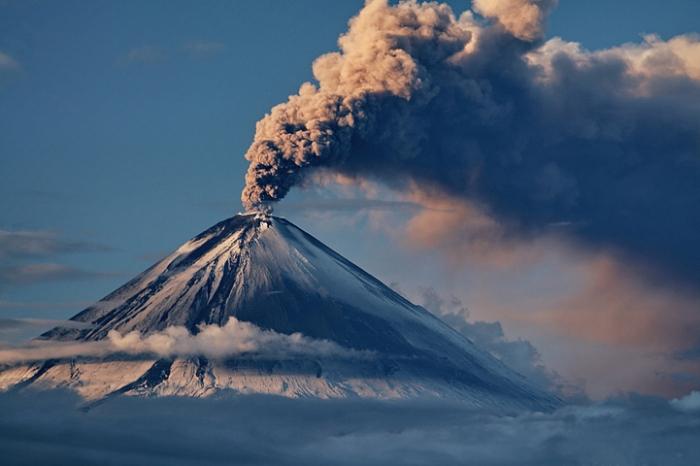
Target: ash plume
{"x":479,"y":108}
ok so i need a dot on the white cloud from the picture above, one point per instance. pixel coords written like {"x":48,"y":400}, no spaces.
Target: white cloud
{"x":690,"y":402}
{"x":213,"y":341}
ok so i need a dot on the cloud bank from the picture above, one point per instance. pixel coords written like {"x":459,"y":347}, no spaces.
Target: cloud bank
{"x":213,"y":341}
{"x":531,"y":133}
{"x":47,"y":428}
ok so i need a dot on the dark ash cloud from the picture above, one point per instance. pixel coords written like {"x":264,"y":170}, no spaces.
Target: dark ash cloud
{"x":534,"y":133}
{"x":47,"y":428}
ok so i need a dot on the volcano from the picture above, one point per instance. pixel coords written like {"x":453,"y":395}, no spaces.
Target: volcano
{"x":265,"y":271}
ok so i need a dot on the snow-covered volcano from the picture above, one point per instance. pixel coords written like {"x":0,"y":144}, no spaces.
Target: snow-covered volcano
{"x":265,"y":271}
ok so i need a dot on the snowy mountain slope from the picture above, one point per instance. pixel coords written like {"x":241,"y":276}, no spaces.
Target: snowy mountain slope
{"x":266,"y":271}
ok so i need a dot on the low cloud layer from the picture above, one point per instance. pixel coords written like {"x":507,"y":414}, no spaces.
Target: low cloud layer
{"x":46,"y":428}
{"x":213,"y":341}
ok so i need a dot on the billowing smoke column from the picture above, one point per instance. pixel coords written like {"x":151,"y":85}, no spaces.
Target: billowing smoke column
{"x":384,"y":68}
{"x":482,"y":109}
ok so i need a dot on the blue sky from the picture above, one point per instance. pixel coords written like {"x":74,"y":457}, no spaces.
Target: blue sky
{"x":124,"y":126}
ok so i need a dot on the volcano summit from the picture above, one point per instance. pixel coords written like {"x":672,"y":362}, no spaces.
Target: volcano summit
{"x":327,"y":329}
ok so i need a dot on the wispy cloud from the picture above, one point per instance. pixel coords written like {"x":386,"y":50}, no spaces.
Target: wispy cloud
{"x":27,"y":274}
{"x":7,"y":63}
{"x":16,"y":323}
{"x":27,"y":244}
{"x":145,"y":55}
{"x":15,"y":331}
{"x":43,"y":305}
{"x":203,"y":48}
{"x":155,"y":54}
{"x":25,"y":258}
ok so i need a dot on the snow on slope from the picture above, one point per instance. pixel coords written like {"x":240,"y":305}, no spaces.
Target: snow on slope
{"x":266,"y":271}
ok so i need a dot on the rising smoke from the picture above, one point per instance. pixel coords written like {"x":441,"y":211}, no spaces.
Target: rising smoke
{"x":481,"y":109}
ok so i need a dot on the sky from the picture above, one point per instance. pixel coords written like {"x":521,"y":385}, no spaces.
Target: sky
{"x":124,"y":127}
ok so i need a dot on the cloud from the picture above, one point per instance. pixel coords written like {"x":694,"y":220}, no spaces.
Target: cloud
{"x":145,"y":55}
{"x":613,"y":307}
{"x":522,"y":149}
{"x":153,"y":54}
{"x":43,"y":305}
{"x":7,"y":63}
{"x":349,"y":205}
{"x":28,"y":274}
{"x":46,"y":428}
{"x":530,"y":133}
{"x":14,"y":331}
{"x":213,"y":341}
{"x":28,"y":244}
{"x":462,"y":233}
{"x":15,"y":323}
{"x":17,"y":247}
{"x":690,"y":402}
{"x":620,"y":332}
{"x":520,"y":355}
{"x":203,"y":48}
